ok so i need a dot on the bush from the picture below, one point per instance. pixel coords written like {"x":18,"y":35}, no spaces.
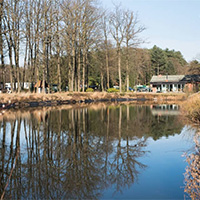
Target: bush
{"x":89,"y":90}
{"x":191,"y":108}
{"x":112,"y":90}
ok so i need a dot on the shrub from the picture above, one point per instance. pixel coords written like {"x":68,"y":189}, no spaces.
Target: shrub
{"x":112,"y":90}
{"x":89,"y":90}
{"x":191,"y":108}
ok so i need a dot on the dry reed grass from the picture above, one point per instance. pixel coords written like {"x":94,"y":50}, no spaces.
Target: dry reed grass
{"x":35,"y":97}
{"x":191,"y":108}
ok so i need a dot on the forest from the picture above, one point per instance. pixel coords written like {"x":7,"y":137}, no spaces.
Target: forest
{"x":78,"y":43}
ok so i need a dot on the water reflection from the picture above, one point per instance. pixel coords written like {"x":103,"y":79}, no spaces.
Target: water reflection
{"x":192,"y":174}
{"x":165,"y":109}
{"x":76,"y":153}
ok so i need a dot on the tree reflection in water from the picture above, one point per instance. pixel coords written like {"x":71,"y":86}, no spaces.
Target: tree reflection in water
{"x":192,"y":174}
{"x":123,"y":168}
{"x":74,"y":153}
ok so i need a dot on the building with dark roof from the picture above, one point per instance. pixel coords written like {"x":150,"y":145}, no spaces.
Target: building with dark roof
{"x":175,"y":83}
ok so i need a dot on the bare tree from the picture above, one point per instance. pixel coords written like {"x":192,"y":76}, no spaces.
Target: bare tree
{"x":55,"y":40}
{"x":132,"y":30}
{"x":13,"y":19}
{"x":105,"y":30}
{"x":44,"y":42}
{"x":117,"y":29}
{"x":65,"y":13}
{"x":49,"y":20}
{"x":1,"y":39}
{"x":80,"y":18}
{"x":75,"y":18}
{"x":92,"y":32}
{"x":16,"y":26}
{"x":79,"y":48}
{"x":9,"y":41}
{"x":70,"y":20}
{"x":58,"y":46}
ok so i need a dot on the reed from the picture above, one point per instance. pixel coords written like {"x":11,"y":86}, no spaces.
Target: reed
{"x":35,"y":97}
{"x":191,"y":108}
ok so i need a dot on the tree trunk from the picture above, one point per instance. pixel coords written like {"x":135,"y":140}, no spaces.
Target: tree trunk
{"x":69,"y":62}
{"x":43,"y":64}
{"x":84,"y":65}
{"x":127,"y":69}
{"x":16,"y":29}
{"x":87,"y":69}
{"x":119,"y":68}
{"x":1,"y":43}
{"x":17,"y":68}
{"x":59,"y":73}
{"x":69,"y":72}
{"x":107,"y":70}
{"x":44,"y":47}
{"x":73,"y":66}
{"x":11,"y":63}
{"x":102,"y":88}
{"x":79,"y":70}
{"x":25,"y":62}
{"x":43,"y":67}
{"x":58,"y":59}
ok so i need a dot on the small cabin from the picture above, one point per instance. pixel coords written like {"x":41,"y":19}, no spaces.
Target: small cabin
{"x":167,"y":83}
{"x":175,"y":83}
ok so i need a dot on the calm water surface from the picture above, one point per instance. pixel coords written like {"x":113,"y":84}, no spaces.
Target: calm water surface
{"x":98,"y":152}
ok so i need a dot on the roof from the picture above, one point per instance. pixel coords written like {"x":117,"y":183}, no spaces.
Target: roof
{"x":191,"y":78}
{"x":167,"y":78}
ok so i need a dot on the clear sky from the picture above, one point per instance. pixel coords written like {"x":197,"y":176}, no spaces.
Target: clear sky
{"x":173,"y":24}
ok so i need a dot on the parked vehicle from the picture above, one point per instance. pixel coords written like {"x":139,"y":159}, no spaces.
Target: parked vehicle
{"x":54,"y":88}
{"x":130,"y":89}
{"x":116,"y":87}
{"x":143,"y":88}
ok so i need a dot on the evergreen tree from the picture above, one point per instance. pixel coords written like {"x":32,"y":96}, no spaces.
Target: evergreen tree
{"x":158,"y":60}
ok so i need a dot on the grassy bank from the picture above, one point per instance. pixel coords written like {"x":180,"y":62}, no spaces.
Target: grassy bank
{"x":190,"y":105}
{"x":191,"y":108}
{"x":27,"y":97}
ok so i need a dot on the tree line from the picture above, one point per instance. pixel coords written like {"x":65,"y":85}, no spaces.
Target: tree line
{"x":77,"y":43}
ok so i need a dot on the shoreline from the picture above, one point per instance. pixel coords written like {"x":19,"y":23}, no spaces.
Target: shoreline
{"x":24,"y":100}
{"x":14,"y":113}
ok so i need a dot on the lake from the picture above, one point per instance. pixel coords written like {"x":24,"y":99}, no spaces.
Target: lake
{"x":98,"y":151}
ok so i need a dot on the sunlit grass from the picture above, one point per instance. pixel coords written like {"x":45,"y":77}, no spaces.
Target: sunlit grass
{"x":191,"y":108}
{"x":32,"y":97}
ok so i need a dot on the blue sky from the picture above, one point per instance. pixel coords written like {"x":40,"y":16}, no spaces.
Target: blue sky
{"x":173,"y":24}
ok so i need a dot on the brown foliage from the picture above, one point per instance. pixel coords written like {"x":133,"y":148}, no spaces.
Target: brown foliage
{"x":191,"y":108}
{"x":192,"y":174}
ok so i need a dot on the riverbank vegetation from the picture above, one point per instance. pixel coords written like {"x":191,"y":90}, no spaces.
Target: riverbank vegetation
{"x":191,"y":108}
{"x":78,"y":43}
{"x":79,"y":97}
